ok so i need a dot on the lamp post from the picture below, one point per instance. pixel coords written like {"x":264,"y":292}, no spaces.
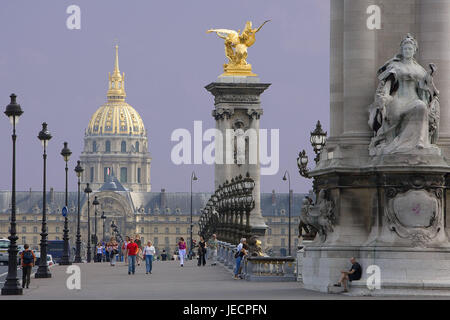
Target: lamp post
{"x":193,"y":178}
{"x":65,"y":152}
{"x":43,"y":271}
{"x":79,"y":170}
{"x":103,"y":217}
{"x":286,"y":173}
{"x":88,"y":190}
{"x":318,"y":139}
{"x":95,"y":203}
{"x":12,"y":287}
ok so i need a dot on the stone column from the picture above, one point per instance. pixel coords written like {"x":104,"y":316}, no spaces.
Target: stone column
{"x":237,"y":105}
{"x":434,"y":31}
{"x":336,"y":68}
{"x":359,"y":61}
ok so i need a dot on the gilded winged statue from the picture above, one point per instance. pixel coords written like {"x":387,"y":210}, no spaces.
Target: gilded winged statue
{"x":236,"y":48}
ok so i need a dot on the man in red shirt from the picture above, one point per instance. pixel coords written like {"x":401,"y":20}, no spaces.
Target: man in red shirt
{"x":28,"y":259}
{"x":132,"y":249}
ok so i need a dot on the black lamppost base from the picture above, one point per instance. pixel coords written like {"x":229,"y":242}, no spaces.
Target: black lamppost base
{"x":43,"y":272}
{"x":12,"y":291}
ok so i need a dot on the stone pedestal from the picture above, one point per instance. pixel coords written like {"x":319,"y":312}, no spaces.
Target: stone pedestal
{"x":388,"y":215}
{"x":238,"y":107}
{"x":387,"y":211}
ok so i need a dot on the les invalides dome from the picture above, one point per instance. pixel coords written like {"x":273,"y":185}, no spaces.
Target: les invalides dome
{"x":115,"y":143}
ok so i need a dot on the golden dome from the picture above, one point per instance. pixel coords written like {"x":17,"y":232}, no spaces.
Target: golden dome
{"x":116,"y":116}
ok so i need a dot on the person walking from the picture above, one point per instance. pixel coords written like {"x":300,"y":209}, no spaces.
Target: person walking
{"x":149,"y":252}
{"x":138,"y":254}
{"x":212,"y":245}
{"x":164,"y":255}
{"x":132,"y":250}
{"x":28,"y":260}
{"x":114,"y":251}
{"x":201,"y":252}
{"x":124,"y":248}
{"x":99,"y":255}
{"x":238,"y":256}
{"x":243,"y":254}
{"x":181,"y":250}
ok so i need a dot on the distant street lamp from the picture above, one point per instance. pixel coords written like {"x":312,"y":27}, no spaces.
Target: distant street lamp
{"x":88,"y":190}
{"x":65,"y":152}
{"x":43,"y":271}
{"x":95,"y":203}
{"x":193,"y":178}
{"x":12,"y":287}
{"x":286,"y":173}
{"x":103,"y":217}
{"x":79,"y":170}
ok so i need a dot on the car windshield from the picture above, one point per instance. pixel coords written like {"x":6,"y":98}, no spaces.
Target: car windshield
{"x":4,"y":244}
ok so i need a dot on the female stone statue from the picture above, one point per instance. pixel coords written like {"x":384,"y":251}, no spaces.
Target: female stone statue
{"x":405,"y":113}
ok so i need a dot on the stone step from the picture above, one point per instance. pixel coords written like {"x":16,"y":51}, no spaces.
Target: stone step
{"x":333,"y":289}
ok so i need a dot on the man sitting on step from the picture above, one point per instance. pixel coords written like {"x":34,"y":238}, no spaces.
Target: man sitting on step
{"x":353,"y":274}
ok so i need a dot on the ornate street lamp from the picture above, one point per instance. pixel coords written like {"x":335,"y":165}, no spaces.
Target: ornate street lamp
{"x":191,"y":246}
{"x":94,"y":239}
{"x":95,"y":203}
{"x":12,"y":287}
{"x":286,"y":173}
{"x":318,"y":139}
{"x":103,"y":217}
{"x":302,"y":164}
{"x":79,"y":170}
{"x":65,"y":260}
{"x":43,"y":271}
{"x":88,"y":190}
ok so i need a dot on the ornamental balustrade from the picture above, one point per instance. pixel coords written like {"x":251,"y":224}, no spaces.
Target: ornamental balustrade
{"x":258,"y":268}
{"x":227,"y":212}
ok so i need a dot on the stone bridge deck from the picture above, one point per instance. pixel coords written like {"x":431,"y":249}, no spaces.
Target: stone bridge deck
{"x":168,"y":281}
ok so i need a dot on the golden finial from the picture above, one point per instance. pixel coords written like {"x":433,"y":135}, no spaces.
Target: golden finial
{"x":116,"y":88}
{"x":236,"y":49}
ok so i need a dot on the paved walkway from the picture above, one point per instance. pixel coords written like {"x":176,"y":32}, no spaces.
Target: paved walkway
{"x":168,"y":281}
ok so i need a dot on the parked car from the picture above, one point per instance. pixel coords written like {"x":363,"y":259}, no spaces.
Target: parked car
{"x":4,"y":244}
{"x":50,"y":261}
{"x":4,"y":255}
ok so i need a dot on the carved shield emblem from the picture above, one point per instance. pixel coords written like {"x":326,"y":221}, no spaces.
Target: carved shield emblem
{"x":415,"y":209}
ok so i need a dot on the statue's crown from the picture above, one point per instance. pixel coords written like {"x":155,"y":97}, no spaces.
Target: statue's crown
{"x":409,"y":39}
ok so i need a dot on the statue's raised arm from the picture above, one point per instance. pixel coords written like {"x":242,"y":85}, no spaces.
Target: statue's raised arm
{"x":261,"y":25}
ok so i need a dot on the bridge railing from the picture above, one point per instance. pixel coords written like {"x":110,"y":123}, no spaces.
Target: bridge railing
{"x":258,"y":268}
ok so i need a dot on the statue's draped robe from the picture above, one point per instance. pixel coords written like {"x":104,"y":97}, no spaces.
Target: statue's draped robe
{"x":407,"y":121}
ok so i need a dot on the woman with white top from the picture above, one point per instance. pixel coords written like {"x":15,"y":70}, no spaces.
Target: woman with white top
{"x":149,"y":251}
{"x":99,"y":252}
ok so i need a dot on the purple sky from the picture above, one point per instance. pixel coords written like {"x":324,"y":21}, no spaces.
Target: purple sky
{"x":60,"y":76}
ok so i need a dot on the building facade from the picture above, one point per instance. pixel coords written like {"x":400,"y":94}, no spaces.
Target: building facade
{"x":162,"y":217}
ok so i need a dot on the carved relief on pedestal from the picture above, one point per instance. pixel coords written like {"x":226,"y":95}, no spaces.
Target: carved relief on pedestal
{"x":318,"y":218}
{"x":414,"y":207}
